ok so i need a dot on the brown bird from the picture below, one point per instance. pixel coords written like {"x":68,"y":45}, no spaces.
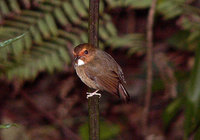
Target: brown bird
{"x":98,"y":70}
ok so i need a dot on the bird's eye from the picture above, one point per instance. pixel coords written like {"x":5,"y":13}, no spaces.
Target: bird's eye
{"x":85,"y":52}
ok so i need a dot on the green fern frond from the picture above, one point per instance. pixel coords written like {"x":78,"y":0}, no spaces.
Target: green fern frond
{"x":171,"y":8}
{"x":136,"y":4}
{"x":52,"y":27}
{"x":50,"y":56}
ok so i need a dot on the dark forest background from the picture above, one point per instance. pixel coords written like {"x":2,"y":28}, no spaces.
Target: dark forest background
{"x":41,"y":97}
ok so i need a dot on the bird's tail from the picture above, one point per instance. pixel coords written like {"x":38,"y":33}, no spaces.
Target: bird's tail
{"x":123,"y":93}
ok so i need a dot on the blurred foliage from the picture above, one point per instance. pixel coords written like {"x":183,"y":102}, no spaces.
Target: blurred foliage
{"x":171,"y":111}
{"x":170,"y":8}
{"x":52,"y":29}
{"x":107,"y":131}
{"x":187,"y":39}
{"x":136,"y":4}
{"x":192,"y":112}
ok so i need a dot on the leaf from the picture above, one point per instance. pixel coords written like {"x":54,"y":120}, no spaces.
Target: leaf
{"x":192,"y":111}
{"x":51,"y":24}
{"x":70,"y":12}
{"x":138,"y":4}
{"x":60,"y":17}
{"x":130,"y":40}
{"x":28,"y":41}
{"x":86,"y":3}
{"x":171,"y":111}
{"x":103,"y":33}
{"x":81,"y":10}
{"x":7,"y":42}
{"x":170,"y":8}
{"x":4,"y":8}
{"x":14,"y":6}
{"x":6,"y":126}
{"x":17,"y":47}
{"x":191,"y":23}
{"x":36,"y":34}
{"x":43,"y":28}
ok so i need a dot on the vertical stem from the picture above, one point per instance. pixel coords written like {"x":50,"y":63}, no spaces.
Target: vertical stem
{"x":150,"y":22}
{"x":94,"y":129}
{"x":93,"y":103}
{"x":94,"y":23}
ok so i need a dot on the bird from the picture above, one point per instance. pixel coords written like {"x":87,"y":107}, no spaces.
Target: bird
{"x":99,"y":71}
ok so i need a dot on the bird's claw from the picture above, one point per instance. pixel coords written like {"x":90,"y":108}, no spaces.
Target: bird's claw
{"x":92,"y":94}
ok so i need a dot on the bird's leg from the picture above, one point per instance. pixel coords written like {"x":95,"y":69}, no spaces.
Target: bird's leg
{"x":93,"y":93}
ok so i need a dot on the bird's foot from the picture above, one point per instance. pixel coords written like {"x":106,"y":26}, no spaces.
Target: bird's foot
{"x":93,"y":93}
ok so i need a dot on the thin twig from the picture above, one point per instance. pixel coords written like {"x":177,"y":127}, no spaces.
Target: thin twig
{"x":94,"y":23}
{"x":93,"y":103}
{"x":150,"y":22}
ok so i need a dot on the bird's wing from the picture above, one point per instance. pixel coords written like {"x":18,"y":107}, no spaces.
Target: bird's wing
{"x":115,"y":68}
{"x":107,"y":81}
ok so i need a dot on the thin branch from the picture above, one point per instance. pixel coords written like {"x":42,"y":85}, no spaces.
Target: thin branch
{"x":93,"y":103}
{"x":94,"y":23}
{"x":150,"y":22}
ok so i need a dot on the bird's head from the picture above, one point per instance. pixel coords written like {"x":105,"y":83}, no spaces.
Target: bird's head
{"x":83,"y":54}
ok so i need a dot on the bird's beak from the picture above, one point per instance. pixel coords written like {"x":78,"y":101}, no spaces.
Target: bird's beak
{"x":76,"y":58}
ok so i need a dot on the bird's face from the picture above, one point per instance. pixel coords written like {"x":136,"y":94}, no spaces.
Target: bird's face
{"x":83,"y":54}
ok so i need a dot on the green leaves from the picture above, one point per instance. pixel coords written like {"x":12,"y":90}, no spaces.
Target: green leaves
{"x":171,"y":111}
{"x":52,"y":29}
{"x":170,"y":8}
{"x":190,"y":40}
{"x":192,"y":112}
{"x":137,"y":4}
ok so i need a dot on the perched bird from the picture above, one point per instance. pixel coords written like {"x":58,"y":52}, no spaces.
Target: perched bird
{"x":98,"y":70}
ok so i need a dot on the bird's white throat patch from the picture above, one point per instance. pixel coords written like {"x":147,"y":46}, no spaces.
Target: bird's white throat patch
{"x":80,"y":62}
